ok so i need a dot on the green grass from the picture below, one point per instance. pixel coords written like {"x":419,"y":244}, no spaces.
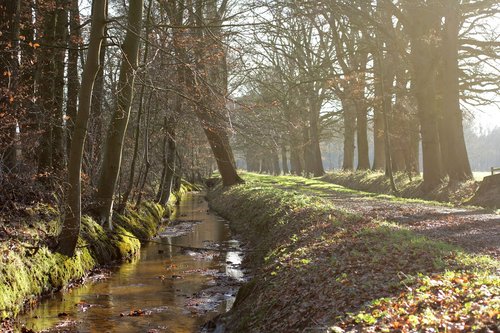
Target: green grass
{"x":376,"y":182}
{"x":317,"y":264}
{"x":317,"y":186}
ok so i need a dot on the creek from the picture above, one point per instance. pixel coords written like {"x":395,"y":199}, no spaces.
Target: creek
{"x":186,"y":276}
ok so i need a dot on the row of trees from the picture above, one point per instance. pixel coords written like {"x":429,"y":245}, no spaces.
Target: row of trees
{"x":71,"y":86}
{"x":120,"y":104}
{"x":407,"y":68}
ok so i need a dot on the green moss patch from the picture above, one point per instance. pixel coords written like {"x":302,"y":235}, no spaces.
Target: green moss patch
{"x":318,"y":268}
{"x":27,"y":273}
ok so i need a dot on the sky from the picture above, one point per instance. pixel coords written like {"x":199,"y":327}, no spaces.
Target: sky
{"x":486,"y":118}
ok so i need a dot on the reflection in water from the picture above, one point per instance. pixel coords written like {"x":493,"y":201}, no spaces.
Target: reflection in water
{"x":161,"y":283}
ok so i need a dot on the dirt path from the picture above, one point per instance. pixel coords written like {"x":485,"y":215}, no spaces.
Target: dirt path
{"x":475,"y":230}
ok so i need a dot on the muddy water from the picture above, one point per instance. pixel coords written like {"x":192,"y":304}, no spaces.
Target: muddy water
{"x":167,"y":289}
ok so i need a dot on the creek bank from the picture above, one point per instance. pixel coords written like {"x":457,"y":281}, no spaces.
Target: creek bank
{"x":183,"y":277}
{"x":488,"y":194}
{"x":377,"y":182}
{"x":321,"y":269}
{"x":28,"y":273}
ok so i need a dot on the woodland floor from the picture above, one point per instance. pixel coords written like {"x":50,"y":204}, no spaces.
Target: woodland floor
{"x":474,"y":229}
{"x":330,"y":259}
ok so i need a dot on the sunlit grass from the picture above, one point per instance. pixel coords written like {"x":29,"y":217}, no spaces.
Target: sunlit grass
{"x":361,"y":275}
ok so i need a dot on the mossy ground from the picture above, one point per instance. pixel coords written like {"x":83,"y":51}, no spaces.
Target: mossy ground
{"x":29,"y":271}
{"x":377,"y":182}
{"x":29,"y":268}
{"x":320,"y":269}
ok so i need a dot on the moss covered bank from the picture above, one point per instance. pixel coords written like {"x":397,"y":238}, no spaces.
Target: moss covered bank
{"x":26,"y":273}
{"x":318,"y":269}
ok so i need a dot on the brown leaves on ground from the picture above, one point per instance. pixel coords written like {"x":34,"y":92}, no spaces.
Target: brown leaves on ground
{"x":353,"y":273}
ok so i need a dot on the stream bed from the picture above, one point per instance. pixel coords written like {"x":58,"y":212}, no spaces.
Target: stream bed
{"x":170,"y":288}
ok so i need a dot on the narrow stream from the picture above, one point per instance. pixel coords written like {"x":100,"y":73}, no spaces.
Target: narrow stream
{"x":167,"y":289}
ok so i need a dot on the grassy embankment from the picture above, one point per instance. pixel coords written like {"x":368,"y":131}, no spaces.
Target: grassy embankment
{"x":29,"y":268}
{"x":376,"y":182}
{"x":318,"y":267}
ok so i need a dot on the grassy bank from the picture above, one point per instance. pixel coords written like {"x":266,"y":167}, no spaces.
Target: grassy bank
{"x":30,"y":269}
{"x":376,"y":182}
{"x":318,"y":269}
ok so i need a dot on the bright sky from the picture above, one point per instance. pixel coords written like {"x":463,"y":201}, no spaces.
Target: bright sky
{"x":487,"y":119}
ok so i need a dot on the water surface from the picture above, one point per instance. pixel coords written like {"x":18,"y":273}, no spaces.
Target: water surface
{"x":169,"y":288}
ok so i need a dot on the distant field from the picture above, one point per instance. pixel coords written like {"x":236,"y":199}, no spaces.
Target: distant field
{"x":479,"y":175}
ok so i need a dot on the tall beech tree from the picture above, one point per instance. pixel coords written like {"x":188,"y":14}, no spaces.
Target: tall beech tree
{"x":212,"y":94}
{"x":113,"y":148}
{"x":453,"y":149}
{"x":73,"y":210}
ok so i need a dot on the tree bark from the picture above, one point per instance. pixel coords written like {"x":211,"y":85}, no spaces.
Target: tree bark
{"x":284,"y":159}
{"x":61,"y":41}
{"x":92,"y":154}
{"x":170,"y":157}
{"x":73,"y":82}
{"x":211,"y":108}
{"x":349,"y":116}
{"x":454,"y":150}
{"x":423,"y":58}
{"x":72,"y":219}
{"x":362,"y":137}
{"x":361,"y":112}
{"x":378,"y":117}
{"x":116,"y":134}
{"x":314,"y":137}
{"x":47,"y":62}
{"x":133,"y":163}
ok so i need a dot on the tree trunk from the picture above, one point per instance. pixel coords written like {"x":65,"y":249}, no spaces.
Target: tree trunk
{"x":296,"y":164}
{"x":314,"y":137}
{"x":295,"y":161}
{"x":361,"y":113}
{"x":284,"y":160}
{"x":211,"y":109}
{"x":47,"y":62}
{"x":116,"y":134}
{"x":219,"y":142}
{"x":94,"y":142}
{"x":349,"y":115}
{"x":61,"y":41}
{"x":307,"y":156}
{"x":170,"y":157}
{"x":423,"y":29}
{"x":454,"y":151}
{"x":424,"y":82}
{"x":133,"y":163}
{"x":73,"y":82}
{"x":378,"y":117}
{"x":72,"y":219}
{"x":276,"y":163}
{"x":362,"y":136}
